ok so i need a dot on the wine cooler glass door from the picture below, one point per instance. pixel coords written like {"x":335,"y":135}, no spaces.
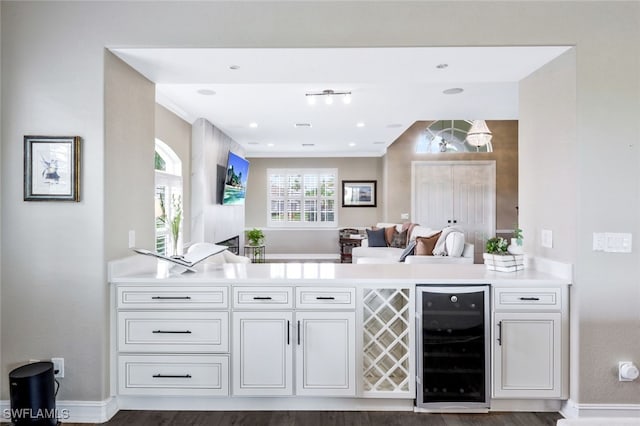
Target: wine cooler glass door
{"x":453,"y":344}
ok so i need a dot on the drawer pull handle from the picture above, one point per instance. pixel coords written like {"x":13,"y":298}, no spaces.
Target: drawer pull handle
{"x":171,"y":376}
{"x":171,"y":298}
{"x":325,"y":298}
{"x":261,"y":297}
{"x":530,"y":298}
{"x":171,"y":332}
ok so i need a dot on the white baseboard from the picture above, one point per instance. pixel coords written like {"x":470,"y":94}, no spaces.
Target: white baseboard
{"x":74,"y":411}
{"x":572,"y":410}
{"x":302,"y":256}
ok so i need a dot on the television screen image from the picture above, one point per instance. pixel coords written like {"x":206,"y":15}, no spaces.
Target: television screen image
{"x":235,"y":180}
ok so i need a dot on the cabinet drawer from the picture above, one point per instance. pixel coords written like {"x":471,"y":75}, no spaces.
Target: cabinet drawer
{"x":263,"y":297}
{"x":527,"y":299}
{"x":325,"y":298}
{"x":152,"y":331}
{"x":173,"y":375}
{"x":132,"y":297}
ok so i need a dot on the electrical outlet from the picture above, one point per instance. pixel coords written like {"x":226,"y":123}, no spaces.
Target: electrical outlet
{"x":58,"y":367}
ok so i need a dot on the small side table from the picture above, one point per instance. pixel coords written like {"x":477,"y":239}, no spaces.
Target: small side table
{"x":346,"y":245}
{"x":255,"y":253}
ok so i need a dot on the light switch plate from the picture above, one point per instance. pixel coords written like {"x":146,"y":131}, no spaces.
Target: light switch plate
{"x":547,"y":238}
{"x":404,"y":216}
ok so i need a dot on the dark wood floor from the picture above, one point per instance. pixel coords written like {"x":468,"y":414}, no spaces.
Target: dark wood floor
{"x":324,"y":418}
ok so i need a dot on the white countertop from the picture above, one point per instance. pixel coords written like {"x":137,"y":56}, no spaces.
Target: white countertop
{"x":140,"y":269}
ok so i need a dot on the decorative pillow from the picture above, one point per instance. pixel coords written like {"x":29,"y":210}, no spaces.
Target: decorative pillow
{"x":399,"y":239}
{"x":425,"y":245}
{"x":408,"y":251}
{"x":388,"y":234}
{"x":376,"y":238}
{"x":421,"y":231}
{"x":454,"y":244}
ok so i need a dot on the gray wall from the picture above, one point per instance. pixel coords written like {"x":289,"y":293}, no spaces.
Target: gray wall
{"x":307,"y":241}
{"x":53,"y":254}
{"x":176,"y":133}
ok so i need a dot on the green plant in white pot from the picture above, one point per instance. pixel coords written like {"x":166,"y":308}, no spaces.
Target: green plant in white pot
{"x":516,"y":242}
{"x":255,"y":237}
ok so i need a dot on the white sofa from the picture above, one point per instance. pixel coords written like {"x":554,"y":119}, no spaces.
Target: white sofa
{"x":373,"y":255}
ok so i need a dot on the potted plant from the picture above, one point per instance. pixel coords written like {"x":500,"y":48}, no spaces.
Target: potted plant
{"x":255,"y":237}
{"x":496,"y":245}
{"x":516,"y":242}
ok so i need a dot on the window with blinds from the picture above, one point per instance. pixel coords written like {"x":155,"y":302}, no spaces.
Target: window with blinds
{"x":302,"y":197}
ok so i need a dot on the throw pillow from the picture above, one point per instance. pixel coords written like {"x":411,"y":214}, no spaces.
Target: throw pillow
{"x":399,"y":239}
{"x":408,"y":251}
{"x":425,"y":245}
{"x":454,"y":244}
{"x":388,"y":234}
{"x":376,"y":237}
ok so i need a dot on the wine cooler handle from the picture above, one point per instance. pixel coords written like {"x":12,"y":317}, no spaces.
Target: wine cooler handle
{"x":500,"y":333}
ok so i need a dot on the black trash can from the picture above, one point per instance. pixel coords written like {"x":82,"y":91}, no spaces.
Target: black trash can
{"x":32,"y":394}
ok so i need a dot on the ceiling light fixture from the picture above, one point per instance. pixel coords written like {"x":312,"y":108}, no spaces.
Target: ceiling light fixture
{"x":328,"y":95}
{"x":479,"y":133}
{"x":253,"y":125}
{"x":442,"y":66}
{"x":360,"y":124}
{"x":206,"y":92}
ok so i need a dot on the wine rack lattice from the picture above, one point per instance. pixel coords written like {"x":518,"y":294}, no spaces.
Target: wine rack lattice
{"x":386,"y":340}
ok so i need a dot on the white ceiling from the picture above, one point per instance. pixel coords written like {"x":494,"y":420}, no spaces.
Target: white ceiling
{"x":391,"y":89}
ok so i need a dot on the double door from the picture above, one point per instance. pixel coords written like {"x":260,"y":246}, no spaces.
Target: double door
{"x":274,"y":350}
{"x":456,"y":193}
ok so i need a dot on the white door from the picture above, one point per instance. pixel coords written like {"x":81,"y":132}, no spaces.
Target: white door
{"x":433,"y":195}
{"x":325,"y":353}
{"x":527,"y":351}
{"x":474,"y":203}
{"x":262,"y":353}
{"x":460,"y":193}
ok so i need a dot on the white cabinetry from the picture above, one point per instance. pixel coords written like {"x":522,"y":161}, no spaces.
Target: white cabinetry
{"x":322,"y":331}
{"x":172,"y":340}
{"x":530,"y":343}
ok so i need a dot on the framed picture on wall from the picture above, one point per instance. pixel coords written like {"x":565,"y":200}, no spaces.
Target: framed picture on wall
{"x":52,"y":168}
{"x":359,"y":193}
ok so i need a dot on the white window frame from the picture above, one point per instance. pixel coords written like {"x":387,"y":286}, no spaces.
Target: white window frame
{"x":171,"y":181}
{"x":302,"y":198}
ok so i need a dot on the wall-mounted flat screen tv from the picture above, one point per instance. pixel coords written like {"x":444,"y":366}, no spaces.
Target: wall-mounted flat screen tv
{"x":235,"y":180}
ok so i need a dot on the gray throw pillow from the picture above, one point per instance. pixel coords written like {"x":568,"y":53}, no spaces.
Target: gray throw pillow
{"x":408,"y":251}
{"x":376,"y":237}
{"x":399,"y":239}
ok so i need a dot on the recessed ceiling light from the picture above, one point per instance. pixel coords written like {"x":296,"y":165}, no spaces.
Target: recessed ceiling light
{"x":206,"y":92}
{"x":360,"y":124}
{"x":453,"y":91}
{"x":378,"y":143}
{"x":394,"y":125}
{"x":302,"y":125}
{"x":308,"y":144}
{"x":253,"y":143}
{"x":253,"y":125}
{"x":442,"y":66}
{"x":270,"y":144}
{"x":352,"y":144}
{"x":234,"y":67}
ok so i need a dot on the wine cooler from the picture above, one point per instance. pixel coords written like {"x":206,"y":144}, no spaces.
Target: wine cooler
{"x":453,"y":347}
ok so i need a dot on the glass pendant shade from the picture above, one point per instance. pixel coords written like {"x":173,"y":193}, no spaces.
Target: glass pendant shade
{"x":479,"y":133}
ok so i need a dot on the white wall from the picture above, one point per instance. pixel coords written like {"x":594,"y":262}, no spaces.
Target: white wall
{"x":53,"y":256}
{"x":211,"y":221}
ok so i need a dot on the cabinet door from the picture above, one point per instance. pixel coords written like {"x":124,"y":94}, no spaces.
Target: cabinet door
{"x":325,"y":353}
{"x":527,"y":355}
{"x":262,"y":353}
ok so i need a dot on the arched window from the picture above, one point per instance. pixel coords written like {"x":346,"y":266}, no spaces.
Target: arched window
{"x":448,"y":136}
{"x":168,"y":200}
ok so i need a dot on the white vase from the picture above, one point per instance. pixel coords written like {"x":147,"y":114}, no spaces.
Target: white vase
{"x":514,"y":247}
